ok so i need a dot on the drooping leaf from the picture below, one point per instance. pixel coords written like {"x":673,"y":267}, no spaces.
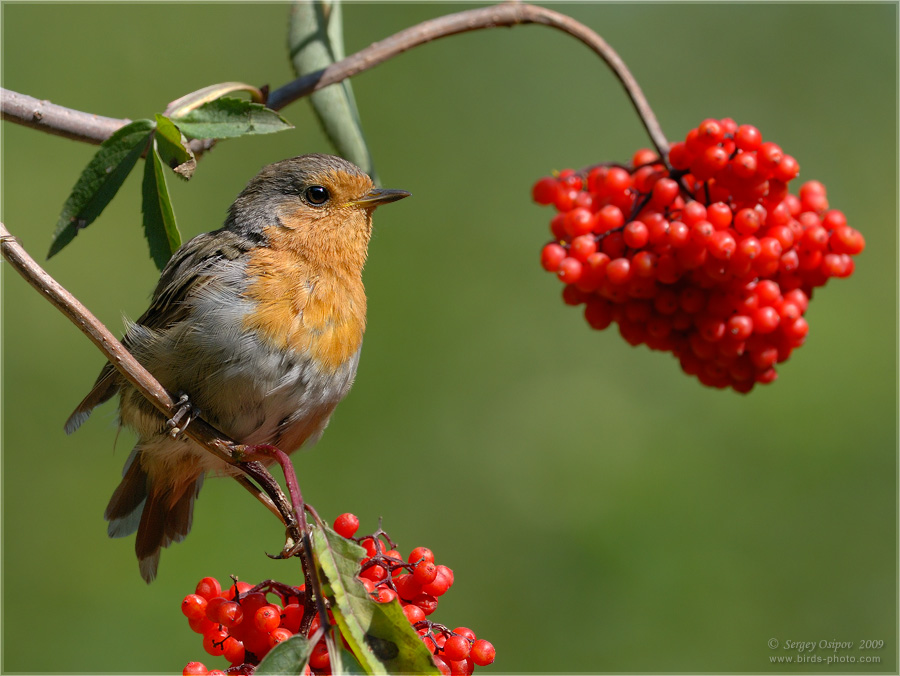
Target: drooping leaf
{"x":228,"y":118}
{"x":188,"y":102}
{"x":288,"y":657}
{"x":316,"y":41}
{"x":173,"y":148}
{"x":378,"y":634}
{"x":100,"y":180}
{"x":160,"y":228}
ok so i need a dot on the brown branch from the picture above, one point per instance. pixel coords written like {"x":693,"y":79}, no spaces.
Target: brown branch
{"x":94,"y":129}
{"x":505,"y":15}
{"x":68,"y":122}
{"x":54,"y":119}
{"x":200,"y":431}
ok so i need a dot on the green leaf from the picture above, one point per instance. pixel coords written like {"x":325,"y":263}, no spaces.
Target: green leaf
{"x":100,"y":180}
{"x":228,"y":118}
{"x":160,"y":228}
{"x":288,"y":657}
{"x":188,"y":102}
{"x":173,"y":148}
{"x":350,"y":664}
{"x":316,"y":41}
{"x":378,"y":634}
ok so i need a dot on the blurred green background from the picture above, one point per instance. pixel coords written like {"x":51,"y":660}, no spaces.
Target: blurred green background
{"x":602,"y":511}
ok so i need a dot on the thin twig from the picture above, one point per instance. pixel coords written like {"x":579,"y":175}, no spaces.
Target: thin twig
{"x":497,"y":16}
{"x":94,"y":129}
{"x":199,"y":430}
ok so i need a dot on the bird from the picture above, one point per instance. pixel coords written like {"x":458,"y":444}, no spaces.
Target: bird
{"x":258,"y":325}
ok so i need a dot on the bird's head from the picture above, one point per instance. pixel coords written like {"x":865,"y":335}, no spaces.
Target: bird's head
{"x":320,"y":205}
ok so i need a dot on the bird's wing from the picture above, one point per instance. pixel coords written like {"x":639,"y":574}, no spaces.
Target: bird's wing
{"x":182,"y":277}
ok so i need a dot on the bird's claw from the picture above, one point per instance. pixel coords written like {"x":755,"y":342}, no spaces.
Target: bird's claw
{"x":292,"y":547}
{"x":184,"y":414}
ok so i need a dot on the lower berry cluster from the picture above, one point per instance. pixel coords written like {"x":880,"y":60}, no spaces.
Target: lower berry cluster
{"x":709,"y":256}
{"x":242,"y":624}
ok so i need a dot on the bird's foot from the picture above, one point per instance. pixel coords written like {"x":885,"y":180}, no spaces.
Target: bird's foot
{"x":184,"y":414}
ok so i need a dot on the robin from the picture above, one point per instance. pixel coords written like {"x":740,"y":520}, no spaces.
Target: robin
{"x":259,"y":324}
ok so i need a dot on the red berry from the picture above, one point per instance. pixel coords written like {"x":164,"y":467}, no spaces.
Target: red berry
{"x":420,"y":554}
{"x":766,"y":319}
{"x":441,"y":665}
{"x":747,"y":221}
{"x":442,"y":582}
{"x":719,"y":214}
{"x":636,"y":234}
{"x":570,"y":270}
{"x":267,"y":619}
{"x":279,"y":635}
{"x":425,"y":572}
{"x":739,"y":327}
{"x":319,"y":658}
{"x":193,"y":606}
{"x":618,"y":271}
{"x":195,"y":669}
{"x":214,"y":642}
{"x":291,"y":617}
{"x":385,"y":595}
{"x":346,"y":525}
{"x":609,"y":217}
{"x":747,"y":137}
{"x":208,"y":588}
{"x":544,"y":192}
{"x":457,"y":648}
{"x":582,"y":247}
{"x":551,"y":256}
{"x":483,"y":652}
{"x":722,"y":244}
{"x":413,"y":613}
{"x":233,"y":650}
{"x":664,"y":192}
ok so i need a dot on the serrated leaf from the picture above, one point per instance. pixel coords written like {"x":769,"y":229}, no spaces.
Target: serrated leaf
{"x":228,"y":118}
{"x":316,"y":41}
{"x":288,"y":657}
{"x":173,"y":148}
{"x":160,"y":228}
{"x":378,"y":634}
{"x":100,"y":180}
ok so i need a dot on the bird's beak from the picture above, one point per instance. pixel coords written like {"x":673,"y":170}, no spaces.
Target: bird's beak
{"x":378,"y":196}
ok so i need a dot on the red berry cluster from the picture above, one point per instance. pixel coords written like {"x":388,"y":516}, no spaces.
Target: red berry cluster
{"x":709,"y":257}
{"x":241,"y":624}
{"x":417,"y":582}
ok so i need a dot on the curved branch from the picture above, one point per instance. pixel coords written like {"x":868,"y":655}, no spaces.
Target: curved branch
{"x":198,"y":430}
{"x":505,"y":15}
{"x":82,"y":126}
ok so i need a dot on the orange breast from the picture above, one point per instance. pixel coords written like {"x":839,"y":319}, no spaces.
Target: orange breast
{"x":314,"y":310}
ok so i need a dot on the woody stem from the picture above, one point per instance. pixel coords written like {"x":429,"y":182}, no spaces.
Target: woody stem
{"x":91,"y":128}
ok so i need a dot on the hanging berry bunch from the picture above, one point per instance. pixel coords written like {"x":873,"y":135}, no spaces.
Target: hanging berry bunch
{"x":244,"y":622}
{"x":710,"y":258}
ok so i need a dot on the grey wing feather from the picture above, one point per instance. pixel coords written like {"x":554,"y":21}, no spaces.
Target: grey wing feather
{"x":179,"y":279}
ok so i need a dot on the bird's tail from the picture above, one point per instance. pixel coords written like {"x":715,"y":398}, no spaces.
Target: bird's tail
{"x":161,"y":514}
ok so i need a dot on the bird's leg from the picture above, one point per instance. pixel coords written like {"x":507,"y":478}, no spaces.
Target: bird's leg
{"x":270,"y":452}
{"x":184,"y":411}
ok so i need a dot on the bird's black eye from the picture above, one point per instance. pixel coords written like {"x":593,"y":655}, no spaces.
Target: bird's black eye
{"x":317,"y":195}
